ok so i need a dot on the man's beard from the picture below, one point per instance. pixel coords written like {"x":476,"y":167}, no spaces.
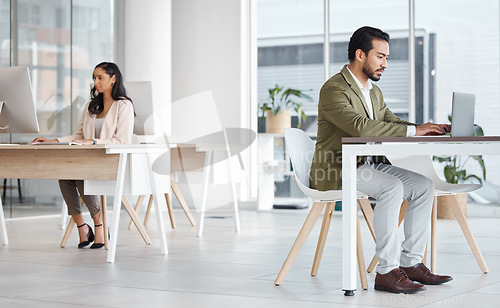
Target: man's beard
{"x":370,"y":74}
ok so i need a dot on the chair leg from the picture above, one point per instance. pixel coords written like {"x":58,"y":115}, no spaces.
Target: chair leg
{"x":182,"y":202}
{"x":361,"y":258}
{"x":137,"y":208}
{"x":433,"y":235}
{"x":459,"y":215}
{"x":311,"y":219}
{"x":327,"y":219}
{"x":372,"y":264}
{"x":104,"y":211}
{"x":131,"y":213}
{"x":170,"y":211}
{"x":424,"y":259}
{"x":366,"y":209}
{"x":19,"y":190}
{"x":148,"y":211}
{"x":402,"y":212}
{"x":67,"y":233}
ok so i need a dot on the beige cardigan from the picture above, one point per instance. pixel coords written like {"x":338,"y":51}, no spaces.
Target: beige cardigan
{"x":117,"y":127}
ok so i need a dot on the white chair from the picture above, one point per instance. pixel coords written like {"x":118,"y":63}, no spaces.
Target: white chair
{"x":423,"y":165}
{"x":146,"y":127}
{"x":301,"y":148}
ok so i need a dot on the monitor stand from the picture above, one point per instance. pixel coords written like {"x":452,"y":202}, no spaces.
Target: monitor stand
{"x":1,"y":106}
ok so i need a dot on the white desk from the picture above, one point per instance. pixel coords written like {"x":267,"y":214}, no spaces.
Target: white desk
{"x":97,"y":162}
{"x":205,"y":162}
{"x":353,"y":147}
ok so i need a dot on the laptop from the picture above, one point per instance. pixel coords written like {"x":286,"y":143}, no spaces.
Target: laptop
{"x":462,"y":114}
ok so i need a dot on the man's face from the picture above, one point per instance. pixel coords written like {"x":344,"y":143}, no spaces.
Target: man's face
{"x":376,"y":61}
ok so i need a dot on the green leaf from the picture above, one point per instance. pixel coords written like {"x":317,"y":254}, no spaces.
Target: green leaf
{"x":478,"y":131}
{"x":480,"y":160}
{"x":474,"y":176}
{"x":449,"y":174}
{"x":442,"y":158}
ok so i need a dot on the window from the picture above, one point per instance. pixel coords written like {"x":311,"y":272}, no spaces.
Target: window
{"x":290,"y":48}
{"x":61,"y":59}
{"x":453,"y":52}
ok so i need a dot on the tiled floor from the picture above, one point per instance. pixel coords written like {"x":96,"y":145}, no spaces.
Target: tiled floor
{"x":225,"y":269}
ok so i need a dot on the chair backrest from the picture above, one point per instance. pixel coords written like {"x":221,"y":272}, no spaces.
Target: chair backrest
{"x":195,"y":116}
{"x":141,"y":93}
{"x":301,"y":150}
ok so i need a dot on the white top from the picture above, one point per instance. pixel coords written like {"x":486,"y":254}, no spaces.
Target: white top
{"x":366,"y":93}
{"x":98,"y":127}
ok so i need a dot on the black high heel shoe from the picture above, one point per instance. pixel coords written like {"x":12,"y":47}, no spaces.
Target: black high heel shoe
{"x":90,"y":237}
{"x":97,"y":245}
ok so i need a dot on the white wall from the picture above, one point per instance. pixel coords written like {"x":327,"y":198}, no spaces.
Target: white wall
{"x":206,"y":53}
{"x":212,"y":50}
{"x":146,"y":53}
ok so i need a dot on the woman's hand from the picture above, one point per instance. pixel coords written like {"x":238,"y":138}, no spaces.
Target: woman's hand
{"x":84,"y":141}
{"x":43,"y":139}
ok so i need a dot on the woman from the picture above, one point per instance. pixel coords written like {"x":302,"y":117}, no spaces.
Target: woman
{"x":108,"y":119}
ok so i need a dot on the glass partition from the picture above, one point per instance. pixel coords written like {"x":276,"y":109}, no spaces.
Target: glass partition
{"x":467,"y":59}
{"x":290,"y":49}
{"x":61,"y":42}
{"x":390,"y":16}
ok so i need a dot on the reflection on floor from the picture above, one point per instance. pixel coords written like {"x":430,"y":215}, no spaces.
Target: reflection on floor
{"x":225,"y":269}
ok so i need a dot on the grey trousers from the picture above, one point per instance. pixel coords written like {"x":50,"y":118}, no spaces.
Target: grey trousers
{"x":389,"y":185}
{"x":71,"y":191}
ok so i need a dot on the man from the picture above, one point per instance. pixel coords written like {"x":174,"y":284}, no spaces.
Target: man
{"x":350,"y":106}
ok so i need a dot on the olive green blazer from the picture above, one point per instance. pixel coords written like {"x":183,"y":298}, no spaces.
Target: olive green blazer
{"x":343,"y":112}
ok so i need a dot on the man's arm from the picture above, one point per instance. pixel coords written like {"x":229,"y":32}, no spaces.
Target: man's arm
{"x":421,"y":129}
{"x":337,"y":108}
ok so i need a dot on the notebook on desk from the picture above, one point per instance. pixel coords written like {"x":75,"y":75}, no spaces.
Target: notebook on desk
{"x":55,"y":143}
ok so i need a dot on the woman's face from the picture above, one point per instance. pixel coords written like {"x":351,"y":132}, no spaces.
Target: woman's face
{"x":102,"y":81}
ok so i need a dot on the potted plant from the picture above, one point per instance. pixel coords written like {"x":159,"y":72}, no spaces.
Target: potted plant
{"x":455,"y":172}
{"x":276,"y":108}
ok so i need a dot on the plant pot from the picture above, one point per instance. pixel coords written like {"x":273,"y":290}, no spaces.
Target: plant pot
{"x":443,"y":207}
{"x":277,"y":123}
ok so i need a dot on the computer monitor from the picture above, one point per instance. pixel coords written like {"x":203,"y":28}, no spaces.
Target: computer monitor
{"x":17,"y":104}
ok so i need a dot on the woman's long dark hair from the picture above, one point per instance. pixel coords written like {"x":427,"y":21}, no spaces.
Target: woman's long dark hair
{"x":96,"y":104}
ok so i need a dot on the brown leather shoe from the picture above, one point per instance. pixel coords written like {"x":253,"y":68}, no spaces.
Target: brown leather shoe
{"x":396,"y":282}
{"x":422,"y":274}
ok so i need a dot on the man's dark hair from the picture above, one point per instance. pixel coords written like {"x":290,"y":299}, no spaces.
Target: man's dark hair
{"x":362,"y":39}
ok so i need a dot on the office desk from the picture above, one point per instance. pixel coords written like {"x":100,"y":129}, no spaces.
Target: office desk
{"x":95,"y":162}
{"x":200,"y":157}
{"x":353,"y":147}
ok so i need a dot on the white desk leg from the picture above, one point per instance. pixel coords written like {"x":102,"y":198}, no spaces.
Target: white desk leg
{"x":157,"y":198}
{"x":3,"y":228}
{"x":233,"y":192}
{"x":349,"y":211}
{"x":208,"y":167}
{"x":117,"y":203}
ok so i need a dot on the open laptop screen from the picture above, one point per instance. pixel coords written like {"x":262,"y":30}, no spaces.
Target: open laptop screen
{"x":462,"y":114}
